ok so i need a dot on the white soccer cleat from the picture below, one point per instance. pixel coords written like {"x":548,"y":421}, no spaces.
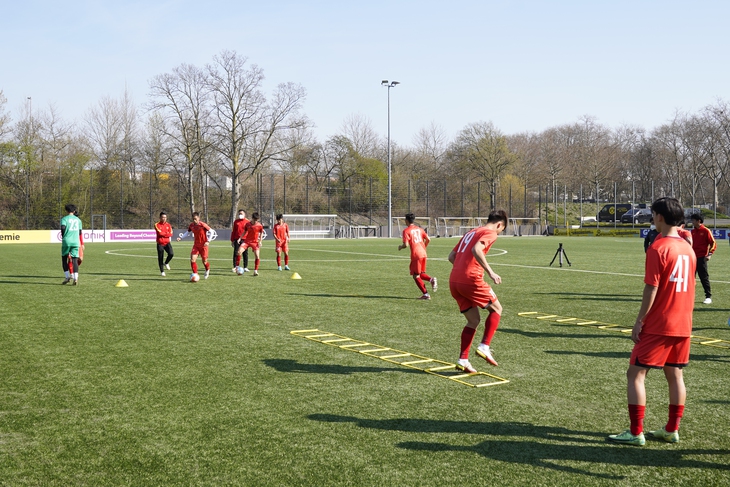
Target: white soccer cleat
{"x":463,"y":364}
{"x":707,"y":301}
{"x":167,"y":266}
{"x":279,"y":268}
{"x":207,"y":273}
{"x":286,"y":268}
{"x":434,"y":284}
{"x":162,"y":273}
{"x":234,"y":270}
{"x":245,"y":269}
{"x":255,"y":273}
{"x":484,"y":352}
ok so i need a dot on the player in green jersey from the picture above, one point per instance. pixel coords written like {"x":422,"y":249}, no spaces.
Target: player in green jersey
{"x":70,"y":244}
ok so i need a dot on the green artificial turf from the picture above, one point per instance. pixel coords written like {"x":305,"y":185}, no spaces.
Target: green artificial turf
{"x":166,"y":382}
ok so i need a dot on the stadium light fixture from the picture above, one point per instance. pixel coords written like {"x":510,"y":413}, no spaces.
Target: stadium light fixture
{"x":389,"y":85}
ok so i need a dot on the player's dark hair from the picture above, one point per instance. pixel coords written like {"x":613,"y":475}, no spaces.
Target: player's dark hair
{"x":70,"y":208}
{"x":162,"y":213}
{"x":671,"y":209}
{"x":255,"y":215}
{"x":698,"y":217}
{"x":279,"y":216}
{"x":195,"y":213}
{"x":410,"y":218}
{"x":496,"y":216}
{"x":242,"y":211}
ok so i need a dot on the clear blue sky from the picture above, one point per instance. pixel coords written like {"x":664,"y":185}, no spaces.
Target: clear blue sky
{"x":525,"y":65}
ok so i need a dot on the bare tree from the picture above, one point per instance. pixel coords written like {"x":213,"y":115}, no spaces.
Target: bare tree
{"x":182,"y":98}
{"x":364,"y":140}
{"x":248,"y":130}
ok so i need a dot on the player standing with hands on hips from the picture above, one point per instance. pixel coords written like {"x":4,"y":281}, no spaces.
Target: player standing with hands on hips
{"x":662,"y":331}
{"x":164,"y":234}
{"x":471,"y":292}
{"x":418,"y":240}
{"x":199,"y":230}
{"x":281,"y":234}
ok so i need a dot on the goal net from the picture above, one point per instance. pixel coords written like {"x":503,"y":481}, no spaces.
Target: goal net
{"x":456,"y":226}
{"x":311,"y":226}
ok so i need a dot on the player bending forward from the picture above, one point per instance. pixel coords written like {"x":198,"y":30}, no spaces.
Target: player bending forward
{"x":663,"y":327}
{"x":471,"y":292}
{"x":252,"y":235}
{"x":199,"y":230}
{"x":281,"y":234}
{"x":417,"y":238}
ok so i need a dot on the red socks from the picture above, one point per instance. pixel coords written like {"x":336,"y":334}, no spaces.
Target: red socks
{"x":675,"y":415}
{"x":286,"y":259}
{"x":207,"y":266}
{"x":420,"y":284}
{"x":194,"y":266}
{"x":636,"y":415}
{"x":467,"y":336}
{"x":490,"y":327}
{"x":425,"y":277}
{"x":238,"y":260}
{"x":256,"y":263}
{"x":278,"y":260}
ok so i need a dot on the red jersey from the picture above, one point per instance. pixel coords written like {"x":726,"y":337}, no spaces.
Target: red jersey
{"x":252,"y":232}
{"x":281,"y":232}
{"x":466,"y":268}
{"x":164,"y":232}
{"x":702,"y":241}
{"x":670,"y":267}
{"x":238,"y":227}
{"x":417,"y":239}
{"x":198,"y":230}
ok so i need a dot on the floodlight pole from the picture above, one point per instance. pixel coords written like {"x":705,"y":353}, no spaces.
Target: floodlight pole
{"x":389,"y":85}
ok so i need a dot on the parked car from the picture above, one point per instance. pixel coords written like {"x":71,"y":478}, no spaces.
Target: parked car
{"x":612,"y":212}
{"x":637,"y":215}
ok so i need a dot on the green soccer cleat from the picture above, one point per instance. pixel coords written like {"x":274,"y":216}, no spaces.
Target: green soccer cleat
{"x":627,"y":438}
{"x":662,"y":434}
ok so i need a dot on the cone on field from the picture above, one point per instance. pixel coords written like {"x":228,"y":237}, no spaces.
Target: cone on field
{"x":121,"y":283}
{"x":296,"y":276}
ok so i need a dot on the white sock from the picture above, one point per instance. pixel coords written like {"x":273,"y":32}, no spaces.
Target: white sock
{"x":67,"y":274}
{"x":76,"y":276}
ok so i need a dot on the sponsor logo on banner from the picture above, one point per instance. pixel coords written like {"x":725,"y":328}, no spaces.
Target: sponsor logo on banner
{"x":132,"y":235}
{"x":23,"y":236}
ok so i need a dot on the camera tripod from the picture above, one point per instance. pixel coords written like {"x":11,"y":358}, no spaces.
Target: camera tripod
{"x":560,"y":252}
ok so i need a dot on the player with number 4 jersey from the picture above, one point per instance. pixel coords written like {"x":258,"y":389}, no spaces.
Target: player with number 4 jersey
{"x":663,"y":327}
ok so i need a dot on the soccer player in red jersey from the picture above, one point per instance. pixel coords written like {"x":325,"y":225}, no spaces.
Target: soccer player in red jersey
{"x":252,"y":235}
{"x":418,"y":240}
{"x":703,"y":244}
{"x":662,"y":331}
{"x":281,"y":235}
{"x":471,"y":292}
{"x":163,"y":229}
{"x":236,"y":232}
{"x":199,"y":230}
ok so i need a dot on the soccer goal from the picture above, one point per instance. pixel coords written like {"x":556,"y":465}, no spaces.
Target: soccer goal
{"x":522,"y":227}
{"x":311,"y":226}
{"x":455,"y":226}
{"x":399,"y":224}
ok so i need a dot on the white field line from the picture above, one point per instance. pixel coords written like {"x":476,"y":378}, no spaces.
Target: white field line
{"x":385,"y":257}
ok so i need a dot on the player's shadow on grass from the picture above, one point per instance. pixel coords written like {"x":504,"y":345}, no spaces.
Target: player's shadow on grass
{"x":554,"y":445}
{"x":597,"y":297}
{"x":289,"y":365}
{"x":361,"y":296}
{"x":623,"y":355}
{"x":537,"y":334}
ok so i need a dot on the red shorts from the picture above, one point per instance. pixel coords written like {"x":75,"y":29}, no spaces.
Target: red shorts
{"x":473,"y":294}
{"x":200,"y":250}
{"x":282,"y":248}
{"x":657,"y":351}
{"x":249,"y":245}
{"x":418,"y":265}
